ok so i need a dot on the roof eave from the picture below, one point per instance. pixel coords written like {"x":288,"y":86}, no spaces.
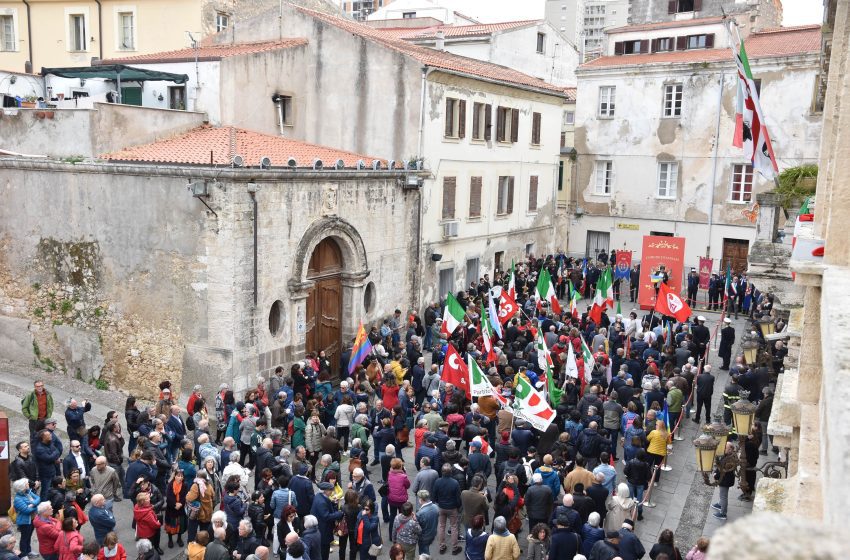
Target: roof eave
{"x":524,"y":87}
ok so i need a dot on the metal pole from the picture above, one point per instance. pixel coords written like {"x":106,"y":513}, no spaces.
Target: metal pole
{"x":714,"y":162}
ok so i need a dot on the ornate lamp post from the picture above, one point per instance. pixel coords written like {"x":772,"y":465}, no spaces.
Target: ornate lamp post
{"x":751,"y":351}
{"x":766,"y":325}
{"x":706,"y":450}
{"x":743,"y":412}
{"x":719,"y":431}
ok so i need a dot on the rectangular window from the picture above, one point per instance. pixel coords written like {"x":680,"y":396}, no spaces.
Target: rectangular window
{"x":481,"y":121}
{"x":705,"y":41}
{"x":604,"y":170}
{"x":507,"y":124}
{"x":570,"y":118}
{"x":532,"y":193}
{"x":673,"y":100}
{"x":663,"y":44}
{"x":126,"y":31}
{"x":475,"y":197}
{"x":683,"y":6}
{"x":742,"y":183}
{"x":455,"y":118}
{"x":408,"y":15}
{"x":668,"y":175}
{"x":7,"y":34}
{"x":505,"y":203}
{"x":447,"y":282}
{"x":449,"y":191}
{"x":535,"y":129}
{"x":222,"y":21}
{"x":606,"y":101}
{"x":498,"y":260}
{"x":78,"y":32}
{"x":472,"y":271}
{"x":287,"y":112}
{"x":541,"y":43}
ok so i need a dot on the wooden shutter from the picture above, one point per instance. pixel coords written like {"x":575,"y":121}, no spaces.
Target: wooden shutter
{"x":653,"y":45}
{"x":709,"y":41}
{"x":476,"y":121}
{"x":488,"y":120}
{"x":644,"y":46}
{"x":500,"y":196}
{"x":697,"y":5}
{"x":532,"y":193}
{"x":449,"y":117}
{"x":449,"y":189}
{"x":681,"y":43}
{"x":510,"y":207}
{"x":535,"y":128}
{"x":619,"y":48}
{"x":461,"y":112}
{"x":514,"y":125}
{"x":475,"y":197}
{"x":671,"y":6}
{"x":500,"y":124}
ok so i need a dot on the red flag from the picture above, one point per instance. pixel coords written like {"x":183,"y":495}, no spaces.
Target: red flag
{"x":670,"y":304}
{"x":455,"y":371}
{"x":507,"y":307}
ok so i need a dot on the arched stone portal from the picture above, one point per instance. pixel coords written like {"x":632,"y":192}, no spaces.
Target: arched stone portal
{"x":326,"y":287}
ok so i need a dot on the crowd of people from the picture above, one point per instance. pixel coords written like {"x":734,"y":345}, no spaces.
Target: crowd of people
{"x":297,"y":467}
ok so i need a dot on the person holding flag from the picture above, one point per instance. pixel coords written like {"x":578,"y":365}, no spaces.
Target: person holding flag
{"x":362,"y":348}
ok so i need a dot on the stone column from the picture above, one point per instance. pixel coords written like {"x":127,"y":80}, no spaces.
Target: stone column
{"x":808,"y":389}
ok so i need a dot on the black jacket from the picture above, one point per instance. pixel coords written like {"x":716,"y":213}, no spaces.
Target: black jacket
{"x":599,"y":495}
{"x":637,"y":472}
{"x":539,"y":501}
{"x":24,"y":468}
{"x":705,"y":385}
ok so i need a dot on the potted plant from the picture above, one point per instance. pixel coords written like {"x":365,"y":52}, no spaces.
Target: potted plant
{"x":29,"y":102}
{"x":795,"y":184}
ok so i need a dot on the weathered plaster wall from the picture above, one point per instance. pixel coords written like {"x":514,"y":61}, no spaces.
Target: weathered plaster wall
{"x":638,"y":138}
{"x":120,"y":273}
{"x":765,"y":13}
{"x":68,"y":133}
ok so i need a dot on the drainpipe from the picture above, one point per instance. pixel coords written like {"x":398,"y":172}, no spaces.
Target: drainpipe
{"x":252,"y":190}
{"x":99,"y":28}
{"x":29,"y":37}
{"x":714,"y":163}
{"x":425,"y":72}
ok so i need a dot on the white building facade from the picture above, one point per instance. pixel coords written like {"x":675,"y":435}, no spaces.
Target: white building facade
{"x":583,"y":22}
{"x":654,"y":142}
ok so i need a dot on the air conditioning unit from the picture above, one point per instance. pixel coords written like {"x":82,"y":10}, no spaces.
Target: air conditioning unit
{"x":450,"y":229}
{"x":412,"y":182}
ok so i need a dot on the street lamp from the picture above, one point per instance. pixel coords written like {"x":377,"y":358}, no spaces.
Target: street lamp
{"x":751,"y":351}
{"x":706,"y":449}
{"x":743,"y":412}
{"x":766,"y":325}
{"x":719,"y":431}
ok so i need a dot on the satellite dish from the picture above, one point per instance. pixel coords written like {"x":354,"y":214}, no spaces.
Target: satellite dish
{"x":265,"y":162}
{"x":317,"y":164}
{"x":237,"y":161}
{"x":291,"y":162}
{"x":340,"y":164}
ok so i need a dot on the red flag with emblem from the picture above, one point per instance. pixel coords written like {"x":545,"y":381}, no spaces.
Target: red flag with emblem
{"x":507,"y":307}
{"x":670,"y":304}
{"x":455,"y":371}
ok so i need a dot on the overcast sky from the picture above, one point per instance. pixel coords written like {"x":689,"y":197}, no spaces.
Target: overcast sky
{"x":795,"y":12}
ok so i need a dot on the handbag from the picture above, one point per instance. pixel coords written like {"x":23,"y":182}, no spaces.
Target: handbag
{"x":375,"y":550}
{"x":515,"y":524}
{"x":192,"y":509}
{"x":384,"y":490}
{"x":341,"y":527}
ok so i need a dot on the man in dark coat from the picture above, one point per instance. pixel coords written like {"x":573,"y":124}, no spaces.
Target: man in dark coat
{"x":705,"y":390}
{"x":693,"y":287}
{"x":247,"y":542}
{"x":701,"y":336}
{"x":599,"y":494}
{"x":538,"y":502}
{"x":564,"y":543}
{"x":46,"y":457}
{"x":303,"y":488}
{"x":727,"y":339}
{"x":634,"y":282}
{"x":328,"y":514}
{"x":630,"y":546}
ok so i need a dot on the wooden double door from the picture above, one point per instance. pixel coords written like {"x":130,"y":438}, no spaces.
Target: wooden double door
{"x":735,"y":253}
{"x":324,"y":302}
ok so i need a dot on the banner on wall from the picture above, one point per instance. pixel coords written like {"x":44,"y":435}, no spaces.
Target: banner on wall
{"x":658,"y":251}
{"x":623,"y":265}
{"x":705,"y":266}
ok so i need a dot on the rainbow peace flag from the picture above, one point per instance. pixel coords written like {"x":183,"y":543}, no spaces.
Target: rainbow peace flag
{"x":362,"y":348}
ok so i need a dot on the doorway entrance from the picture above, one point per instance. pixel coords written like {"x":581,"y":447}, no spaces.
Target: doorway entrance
{"x":735,"y":252}
{"x":324,"y":302}
{"x":597,"y":242}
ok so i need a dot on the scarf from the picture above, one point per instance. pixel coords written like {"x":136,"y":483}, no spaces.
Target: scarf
{"x":202,"y":487}
{"x":177,"y":486}
{"x":360,"y":531}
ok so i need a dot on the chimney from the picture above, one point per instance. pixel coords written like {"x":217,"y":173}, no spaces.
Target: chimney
{"x":440,"y":43}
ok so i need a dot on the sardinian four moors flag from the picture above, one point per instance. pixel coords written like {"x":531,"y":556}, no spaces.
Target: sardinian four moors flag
{"x":750,"y":127}
{"x":531,"y":406}
{"x":546,"y":291}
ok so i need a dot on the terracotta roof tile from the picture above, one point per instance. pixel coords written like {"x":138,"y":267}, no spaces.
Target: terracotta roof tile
{"x":570,"y":92}
{"x":768,"y":44}
{"x":664,"y":25}
{"x":434,"y":58}
{"x":208,"y":51}
{"x":217,"y":145}
{"x":451,"y":31}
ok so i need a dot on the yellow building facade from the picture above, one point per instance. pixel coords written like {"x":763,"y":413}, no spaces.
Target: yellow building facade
{"x":58,"y":33}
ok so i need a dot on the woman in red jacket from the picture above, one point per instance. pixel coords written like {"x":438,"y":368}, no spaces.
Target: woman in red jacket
{"x":147,"y":523}
{"x":69,"y":543}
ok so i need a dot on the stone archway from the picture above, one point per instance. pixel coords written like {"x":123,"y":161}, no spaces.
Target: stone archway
{"x":329,"y":273}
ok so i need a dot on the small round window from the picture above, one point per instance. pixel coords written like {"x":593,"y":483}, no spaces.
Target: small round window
{"x":276,"y":318}
{"x":369,"y":297}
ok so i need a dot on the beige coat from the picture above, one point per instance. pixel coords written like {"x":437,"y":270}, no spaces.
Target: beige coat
{"x":501,"y":548}
{"x":619,"y":509}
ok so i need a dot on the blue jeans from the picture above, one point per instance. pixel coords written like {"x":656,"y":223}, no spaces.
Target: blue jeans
{"x":637,"y":493}
{"x":724,"y":499}
{"x":425,"y":548}
{"x":426,"y":345}
{"x":613,"y":436}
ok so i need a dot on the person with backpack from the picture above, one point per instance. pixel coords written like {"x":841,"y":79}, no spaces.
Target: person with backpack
{"x":405,"y":531}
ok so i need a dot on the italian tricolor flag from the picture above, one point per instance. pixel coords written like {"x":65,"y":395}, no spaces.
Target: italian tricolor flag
{"x":531,"y":406}
{"x":512,"y":282}
{"x":452,"y":315}
{"x":487,"y":335}
{"x":603,"y":297}
{"x":546,"y":291}
{"x":574,"y":297}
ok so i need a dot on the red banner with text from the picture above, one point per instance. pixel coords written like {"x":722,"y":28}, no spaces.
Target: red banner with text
{"x":705,"y":266}
{"x":660,"y":251}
